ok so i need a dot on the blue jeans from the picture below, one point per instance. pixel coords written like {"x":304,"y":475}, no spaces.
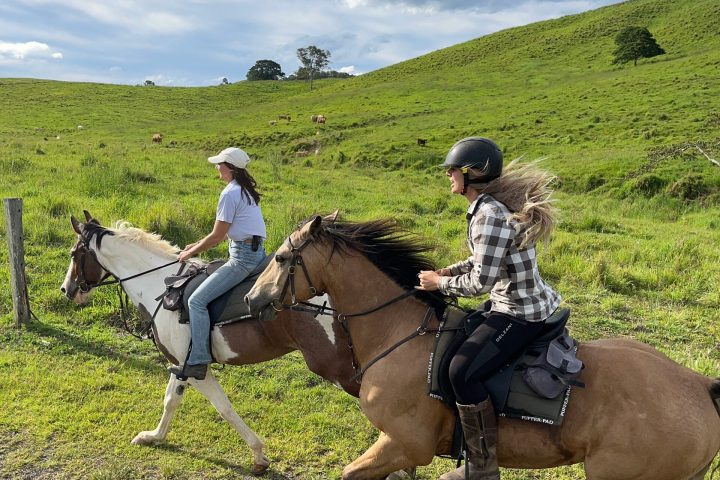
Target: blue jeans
{"x":242,"y":261}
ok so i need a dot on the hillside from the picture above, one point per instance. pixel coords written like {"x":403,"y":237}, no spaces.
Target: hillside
{"x":635,"y":254}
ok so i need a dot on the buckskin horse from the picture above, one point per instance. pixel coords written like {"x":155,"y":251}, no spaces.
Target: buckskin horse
{"x":641,"y":415}
{"x":127,"y":252}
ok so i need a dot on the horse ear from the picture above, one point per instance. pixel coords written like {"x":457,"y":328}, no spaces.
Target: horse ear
{"x":332,"y":218}
{"x":89,"y":218}
{"x":76,"y":225}
{"x":315,"y":224}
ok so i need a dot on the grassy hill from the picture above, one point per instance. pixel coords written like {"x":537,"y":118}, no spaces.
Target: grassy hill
{"x":635,"y":255}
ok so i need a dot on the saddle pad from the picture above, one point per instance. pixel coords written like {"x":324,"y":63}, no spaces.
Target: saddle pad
{"x":230,"y":306}
{"x":510,"y":395}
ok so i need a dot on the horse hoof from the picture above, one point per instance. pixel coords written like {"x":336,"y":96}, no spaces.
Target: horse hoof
{"x":259,"y":469}
{"x":141,"y":439}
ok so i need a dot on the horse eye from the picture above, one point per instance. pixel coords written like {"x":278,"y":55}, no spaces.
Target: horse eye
{"x":279,"y":258}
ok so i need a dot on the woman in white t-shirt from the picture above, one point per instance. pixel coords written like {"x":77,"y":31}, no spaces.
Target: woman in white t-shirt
{"x":240,"y":219}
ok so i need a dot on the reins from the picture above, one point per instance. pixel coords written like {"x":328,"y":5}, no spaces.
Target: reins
{"x":85,"y":287}
{"x":295,"y":260}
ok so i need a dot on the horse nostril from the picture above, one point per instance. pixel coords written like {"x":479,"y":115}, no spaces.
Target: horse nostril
{"x":247,"y":300}
{"x":62,"y":289}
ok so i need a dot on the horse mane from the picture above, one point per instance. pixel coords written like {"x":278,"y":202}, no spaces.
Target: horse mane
{"x":395,"y":251}
{"x":125,"y":230}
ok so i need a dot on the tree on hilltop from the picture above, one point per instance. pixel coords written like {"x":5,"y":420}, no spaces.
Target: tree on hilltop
{"x":265,"y":70}
{"x":635,"y":42}
{"x":313,"y":60}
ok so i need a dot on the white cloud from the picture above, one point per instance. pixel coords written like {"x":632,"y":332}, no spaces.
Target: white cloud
{"x":349,"y":69}
{"x":11,"y":53}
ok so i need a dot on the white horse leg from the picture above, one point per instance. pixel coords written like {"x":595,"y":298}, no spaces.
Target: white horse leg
{"x":173,"y":397}
{"x":215,"y":393}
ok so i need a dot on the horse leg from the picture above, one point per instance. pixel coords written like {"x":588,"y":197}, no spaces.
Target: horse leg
{"x":215,"y":393}
{"x":385,"y":456}
{"x":408,"y":473}
{"x":173,"y":397}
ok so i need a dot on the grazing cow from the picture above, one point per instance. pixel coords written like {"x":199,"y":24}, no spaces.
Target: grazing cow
{"x":314,"y":118}
{"x":157,"y":138}
{"x":284,"y":117}
{"x":321,"y":119}
{"x":422,"y":141}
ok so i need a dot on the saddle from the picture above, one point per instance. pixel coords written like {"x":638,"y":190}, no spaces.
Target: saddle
{"x":534,"y":386}
{"x":227,"y":308}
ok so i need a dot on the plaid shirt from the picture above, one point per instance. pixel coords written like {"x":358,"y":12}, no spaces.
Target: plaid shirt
{"x":499,"y":267}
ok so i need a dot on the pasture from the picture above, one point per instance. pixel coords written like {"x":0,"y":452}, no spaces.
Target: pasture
{"x":636,"y":253}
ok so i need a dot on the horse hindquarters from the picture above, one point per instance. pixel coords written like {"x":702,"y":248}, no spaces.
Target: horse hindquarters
{"x":642,"y":415}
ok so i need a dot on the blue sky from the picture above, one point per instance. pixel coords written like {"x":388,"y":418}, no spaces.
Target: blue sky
{"x":198,"y":42}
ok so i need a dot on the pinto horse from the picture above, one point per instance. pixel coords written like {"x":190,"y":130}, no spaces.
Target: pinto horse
{"x":641,"y":415}
{"x":128,"y":251}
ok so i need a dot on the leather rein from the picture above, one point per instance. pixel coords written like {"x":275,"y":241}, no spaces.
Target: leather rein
{"x":295,"y":305}
{"x":83,"y":250}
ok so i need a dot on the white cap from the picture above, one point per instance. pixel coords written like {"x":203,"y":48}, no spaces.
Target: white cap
{"x":233,"y":156}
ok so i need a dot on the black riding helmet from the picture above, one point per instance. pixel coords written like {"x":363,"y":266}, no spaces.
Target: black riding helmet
{"x":477,"y":153}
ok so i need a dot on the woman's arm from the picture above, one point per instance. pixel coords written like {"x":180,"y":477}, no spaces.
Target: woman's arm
{"x":492,"y":237}
{"x":218,"y":234}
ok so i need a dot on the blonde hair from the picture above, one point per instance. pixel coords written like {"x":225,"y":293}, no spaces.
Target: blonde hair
{"x":525,"y":190}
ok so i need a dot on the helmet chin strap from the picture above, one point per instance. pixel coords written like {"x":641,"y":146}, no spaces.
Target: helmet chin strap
{"x":466,"y":179}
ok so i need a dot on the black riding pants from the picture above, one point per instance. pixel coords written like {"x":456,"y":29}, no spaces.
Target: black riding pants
{"x":488,"y":349}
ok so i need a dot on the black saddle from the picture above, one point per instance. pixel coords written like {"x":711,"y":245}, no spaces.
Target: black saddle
{"x":230,"y":306}
{"x":510,"y":394}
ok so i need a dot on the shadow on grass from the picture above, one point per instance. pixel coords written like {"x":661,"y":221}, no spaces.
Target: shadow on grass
{"x":234,"y":467}
{"x":77,"y":344}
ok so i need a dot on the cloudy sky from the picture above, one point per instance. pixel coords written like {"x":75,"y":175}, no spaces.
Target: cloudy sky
{"x":198,"y":42}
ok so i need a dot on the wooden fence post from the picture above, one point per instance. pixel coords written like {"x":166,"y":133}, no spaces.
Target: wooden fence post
{"x":16,"y":257}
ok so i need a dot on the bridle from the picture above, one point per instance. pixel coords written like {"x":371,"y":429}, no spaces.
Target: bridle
{"x":295,"y":260}
{"x":80,"y":255}
{"x":277,"y":305}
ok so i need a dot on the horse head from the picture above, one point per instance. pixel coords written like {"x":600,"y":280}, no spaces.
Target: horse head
{"x":84,"y":271}
{"x":289,"y":279}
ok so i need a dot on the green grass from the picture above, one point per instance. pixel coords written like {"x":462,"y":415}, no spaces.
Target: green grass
{"x":636,"y":253}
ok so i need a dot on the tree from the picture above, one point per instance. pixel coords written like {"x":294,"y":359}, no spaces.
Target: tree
{"x":634,"y":43}
{"x":149,"y":83}
{"x":224,"y":81}
{"x":265,"y":70}
{"x":313,"y":60}
{"x":302,"y":74}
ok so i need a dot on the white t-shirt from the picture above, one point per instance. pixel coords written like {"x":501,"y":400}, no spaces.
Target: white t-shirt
{"x":245,"y":217}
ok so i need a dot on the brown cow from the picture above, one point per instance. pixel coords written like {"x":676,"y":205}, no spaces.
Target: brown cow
{"x":321,"y":119}
{"x":157,"y":138}
{"x":422,"y":141}
{"x":284,"y":117}
{"x":314,"y":118}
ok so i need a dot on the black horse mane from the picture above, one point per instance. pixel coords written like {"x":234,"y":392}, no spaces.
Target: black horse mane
{"x":392,"y":249}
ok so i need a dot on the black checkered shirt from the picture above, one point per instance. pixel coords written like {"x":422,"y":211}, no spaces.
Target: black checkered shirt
{"x":499,"y":267}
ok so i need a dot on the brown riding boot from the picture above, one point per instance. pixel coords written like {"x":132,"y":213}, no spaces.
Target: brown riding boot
{"x":480,"y":429}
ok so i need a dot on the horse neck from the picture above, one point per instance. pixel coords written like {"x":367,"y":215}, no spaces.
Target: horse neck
{"x":356,"y":285}
{"x":125,"y":258}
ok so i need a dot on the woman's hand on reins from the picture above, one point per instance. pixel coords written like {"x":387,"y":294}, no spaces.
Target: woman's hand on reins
{"x":428,"y":280}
